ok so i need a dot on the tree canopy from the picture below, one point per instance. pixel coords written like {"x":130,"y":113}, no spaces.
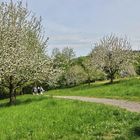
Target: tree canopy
{"x":111,"y":54}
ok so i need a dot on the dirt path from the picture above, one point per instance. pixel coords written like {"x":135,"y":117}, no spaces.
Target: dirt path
{"x":129,"y":105}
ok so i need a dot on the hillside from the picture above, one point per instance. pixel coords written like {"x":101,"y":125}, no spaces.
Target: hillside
{"x":128,"y":89}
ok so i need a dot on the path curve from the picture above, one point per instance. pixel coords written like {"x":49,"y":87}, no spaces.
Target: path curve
{"x":129,"y":105}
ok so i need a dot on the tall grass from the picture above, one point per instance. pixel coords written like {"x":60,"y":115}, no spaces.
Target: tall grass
{"x":44,"y":118}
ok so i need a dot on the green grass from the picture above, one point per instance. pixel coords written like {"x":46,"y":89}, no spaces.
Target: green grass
{"x":45,"y":118}
{"x":124,"y":89}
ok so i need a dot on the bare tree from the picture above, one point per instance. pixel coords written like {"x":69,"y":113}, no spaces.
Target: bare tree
{"x":111,"y":54}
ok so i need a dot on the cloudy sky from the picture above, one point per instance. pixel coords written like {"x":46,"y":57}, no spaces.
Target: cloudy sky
{"x":81,"y":23}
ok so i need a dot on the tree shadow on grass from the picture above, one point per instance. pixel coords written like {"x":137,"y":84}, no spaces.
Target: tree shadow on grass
{"x":23,"y":101}
{"x":94,"y":85}
{"x":135,"y":131}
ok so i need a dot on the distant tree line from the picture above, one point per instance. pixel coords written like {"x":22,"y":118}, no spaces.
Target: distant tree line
{"x":111,"y":58}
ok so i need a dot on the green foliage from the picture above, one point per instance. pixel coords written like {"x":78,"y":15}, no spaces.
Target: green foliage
{"x":4,"y":92}
{"x":63,"y":59}
{"x":137,"y":63}
{"x":123,"y":89}
{"x":138,"y":69}
{"x":40,"y":118}
{"x":63,"y":63}
{"x":92,"y":74}
{"x":79,"y":60}
{"x":75,"y":76}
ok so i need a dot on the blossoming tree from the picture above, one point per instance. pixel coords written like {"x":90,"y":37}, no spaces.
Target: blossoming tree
{"x":22,"y":47}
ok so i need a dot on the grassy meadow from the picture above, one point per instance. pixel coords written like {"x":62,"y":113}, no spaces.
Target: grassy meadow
{"x":46,"y":118}
{"x":128,"y":89}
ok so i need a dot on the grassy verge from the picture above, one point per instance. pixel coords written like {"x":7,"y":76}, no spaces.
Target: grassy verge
{"x":128,"y":89}
{"x":41,"y":118}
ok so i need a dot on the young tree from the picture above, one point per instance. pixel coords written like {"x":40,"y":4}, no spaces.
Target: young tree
{"x":22,"y":47}
{"x":74,"y":76}
{"x":63,"y":59}
{"x":68,"y":54}
{"x":91,"y":71}
{"x":62,"y":62}
{"x":137,"y":62}
{"x":111,"y":54}
{"x":88,"y":68}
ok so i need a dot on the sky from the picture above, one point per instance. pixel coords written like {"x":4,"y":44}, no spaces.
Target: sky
{"x":79,"y":24}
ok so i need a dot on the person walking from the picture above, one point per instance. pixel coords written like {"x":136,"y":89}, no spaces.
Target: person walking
{"x":38,"y":90}
{"x":41,"y":90}
{"x":35,"y":91}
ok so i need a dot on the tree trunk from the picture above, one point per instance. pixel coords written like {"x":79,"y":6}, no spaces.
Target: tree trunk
{"x":88,"y":81}
{"x":111,"y":79}
{"x":21,"y":92}
{"x":11,"y":92}
{"x":12,"y":97}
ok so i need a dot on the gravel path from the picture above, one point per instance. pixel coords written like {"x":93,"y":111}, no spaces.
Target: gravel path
{"x":129,"y":105}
